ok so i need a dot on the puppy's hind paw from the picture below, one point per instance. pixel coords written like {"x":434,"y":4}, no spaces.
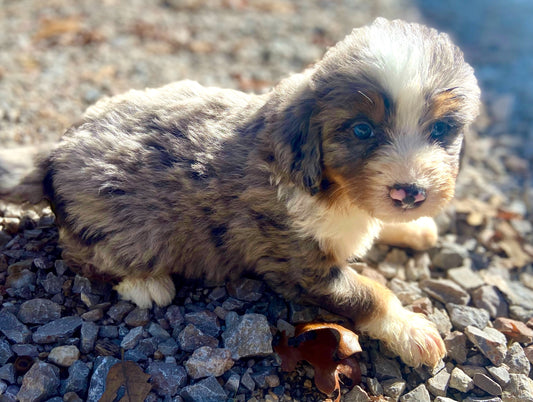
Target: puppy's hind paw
{"x":143,"y":292}
{"x":409,"y":335}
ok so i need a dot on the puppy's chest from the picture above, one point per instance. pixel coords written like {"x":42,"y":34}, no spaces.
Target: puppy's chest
{"x":341,"y":232}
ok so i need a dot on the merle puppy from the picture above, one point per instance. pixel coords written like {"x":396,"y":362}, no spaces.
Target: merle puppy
{"x":211,"y":183}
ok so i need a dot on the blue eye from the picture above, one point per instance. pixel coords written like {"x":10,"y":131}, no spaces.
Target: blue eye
{"x":440,"y":129}
{"x":363,"y":131}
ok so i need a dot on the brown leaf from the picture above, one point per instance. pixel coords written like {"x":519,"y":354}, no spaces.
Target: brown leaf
{"x":129,"y":375}
{"x":328,"y":348}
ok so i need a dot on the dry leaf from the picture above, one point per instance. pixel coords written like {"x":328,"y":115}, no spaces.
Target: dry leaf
{"x":328,"y":348}
{"x":129,"y":375}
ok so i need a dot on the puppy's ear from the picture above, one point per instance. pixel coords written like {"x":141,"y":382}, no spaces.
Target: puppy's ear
{"x":303,"y":136}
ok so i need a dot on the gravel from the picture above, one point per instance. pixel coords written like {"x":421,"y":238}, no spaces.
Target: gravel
{"x":60,"y":333}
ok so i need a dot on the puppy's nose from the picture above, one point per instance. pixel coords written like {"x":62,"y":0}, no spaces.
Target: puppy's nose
{"x":407,"y":195}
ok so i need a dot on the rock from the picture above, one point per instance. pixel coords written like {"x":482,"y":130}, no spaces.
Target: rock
{"x":405,"y":291}
{"x":441,"y":320}
{"x":78,"y":378}
{"x":490,"y":299}
{"x":64,"y":356}
{"x":191,"y":338}
{"x":464,"y":316}
{"x":206,"y":321}
{"x":385,"y":368}
{"x":500,"y":374}
{"x":102,"y":365}
{"x":167,"y":378}
{"x":438,"y":384}
{"x":5,"y":352}
{"x":246,"y":289}
{"x":450,"y":255}
{"x":456,"y":346}
{"x":517,"y":360}
{"x":513,"y":329}
{"x":39,"y":383}
{"x":465,"y":277}
{"x":19,"y":279}
{"x":232,"y":385}
{"x":138,"y":317}
{"x":7,"y":373}
{"x":460,"y":381}
{"x":247,"y":381}
{"x":22,"y":349}
{"x":356,"y":394}
{"x":419,"y":394}
{"x":174,"y":316}
{"x":157,"y":331}
{"x":208,"y":390}
{"x":487,"y":384}
{"x":119,"y":310}
{"x":490,"y":342}
{"x":445,"y":291}
{"x":89,"y":333}
{"x":52,"y":284}
{"x":39,"y":311}
{"x":206,"y":362}
{"x":520,"y":389}
{"x":168,"y":347}
{"x":12,"y":328}
{"x":299,"y":314}
{"x":132,"y":338}
{"x":393,"y":387}
{"x":56,"y":330}
{"x":247,"y":335}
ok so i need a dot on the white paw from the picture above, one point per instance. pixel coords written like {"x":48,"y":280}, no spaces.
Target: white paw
{"x":410,"y":335}
{"x":143,"y":292}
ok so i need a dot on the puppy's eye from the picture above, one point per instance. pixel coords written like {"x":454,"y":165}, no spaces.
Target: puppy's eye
{"x":440,"y":129}
{"x":363,"y":131}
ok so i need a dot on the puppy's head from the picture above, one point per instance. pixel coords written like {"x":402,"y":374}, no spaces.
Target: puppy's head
{"x":382,"y":121}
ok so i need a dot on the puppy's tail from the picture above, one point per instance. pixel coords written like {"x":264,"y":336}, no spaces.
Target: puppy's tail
{"x":22,"y":172}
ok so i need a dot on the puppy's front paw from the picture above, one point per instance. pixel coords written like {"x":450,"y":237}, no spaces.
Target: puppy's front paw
{"x":420,"y":234}
{"x":143,"y":292}
{"x":410,"y":335}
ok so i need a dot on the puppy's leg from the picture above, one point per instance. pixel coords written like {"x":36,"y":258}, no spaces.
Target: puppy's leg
{"x":142,"y":291}
{"x":378,"y":312}
{"x":420,"y":234}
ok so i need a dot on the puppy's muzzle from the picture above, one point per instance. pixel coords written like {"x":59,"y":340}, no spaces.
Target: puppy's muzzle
{"x":407,"y":196}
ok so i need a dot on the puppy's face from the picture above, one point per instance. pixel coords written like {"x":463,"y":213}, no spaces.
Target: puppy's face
{"x":391,"y":104}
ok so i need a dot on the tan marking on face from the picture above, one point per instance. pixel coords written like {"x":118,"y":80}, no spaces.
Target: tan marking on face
{"x":443,"y":104}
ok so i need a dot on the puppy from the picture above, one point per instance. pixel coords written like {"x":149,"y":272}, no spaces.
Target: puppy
{"x":211,"y":183}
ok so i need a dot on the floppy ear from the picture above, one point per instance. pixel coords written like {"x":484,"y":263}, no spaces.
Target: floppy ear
{"x":304,"y":138}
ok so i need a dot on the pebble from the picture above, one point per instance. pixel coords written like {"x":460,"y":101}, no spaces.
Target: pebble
{"x":206,"y":361}
{"x":419,"y":394}
{"x":517,"y":360}
{"x":490,"y":299}
{"x":206,"y":321}
{"x":356,"y":394}
{"x":78,"y":378}
{"x":463,"y":316}
{"x":500,"y":374}
{"x":7,"y":373}
{"x":39,"y":311}
{"x":490,"y":342}
{"x":138,"y":317}
{"x":168,"y":347}
{"x":445,"y":291}
{"x":167,"y":378}
{"x":89,"y":333}
{"x":247,"y":335}
{"x":64,"y":356}
{"x":52,"y":284}
{"x":393,"y":387}
{"x":102,"y":365}
{"x":174,"y":316}
{"x":460,"y":381}
{"x":438,"y":384}
{"x":246,"y":289}
{"x":465,"y":277}
{"x":205,"y":390}
{"x":487,"y":384}
{"x":39,"y":383}
{"x":13,"y":329}
{"x":520,"y":389}
{"x":5,"y":352}
{"x":513,"y":329}
{"x":157,"y":331}
{"x":119,"y":310}
{"x":56,"y":330}
{"x":451,"y":255}
{"x":456,"y":346}
{"x":191,"y":338}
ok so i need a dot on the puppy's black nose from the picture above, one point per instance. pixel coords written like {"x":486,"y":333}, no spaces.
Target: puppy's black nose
{"x":407,"y":195}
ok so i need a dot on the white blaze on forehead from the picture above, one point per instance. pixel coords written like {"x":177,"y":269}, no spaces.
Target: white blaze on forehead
{"x":401,"y":62}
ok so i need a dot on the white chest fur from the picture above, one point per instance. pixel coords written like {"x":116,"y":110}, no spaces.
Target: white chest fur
{"x":344,"y":230}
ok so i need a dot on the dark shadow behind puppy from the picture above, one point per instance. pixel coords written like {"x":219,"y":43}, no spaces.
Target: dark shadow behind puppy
{"x":211,"y":183}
